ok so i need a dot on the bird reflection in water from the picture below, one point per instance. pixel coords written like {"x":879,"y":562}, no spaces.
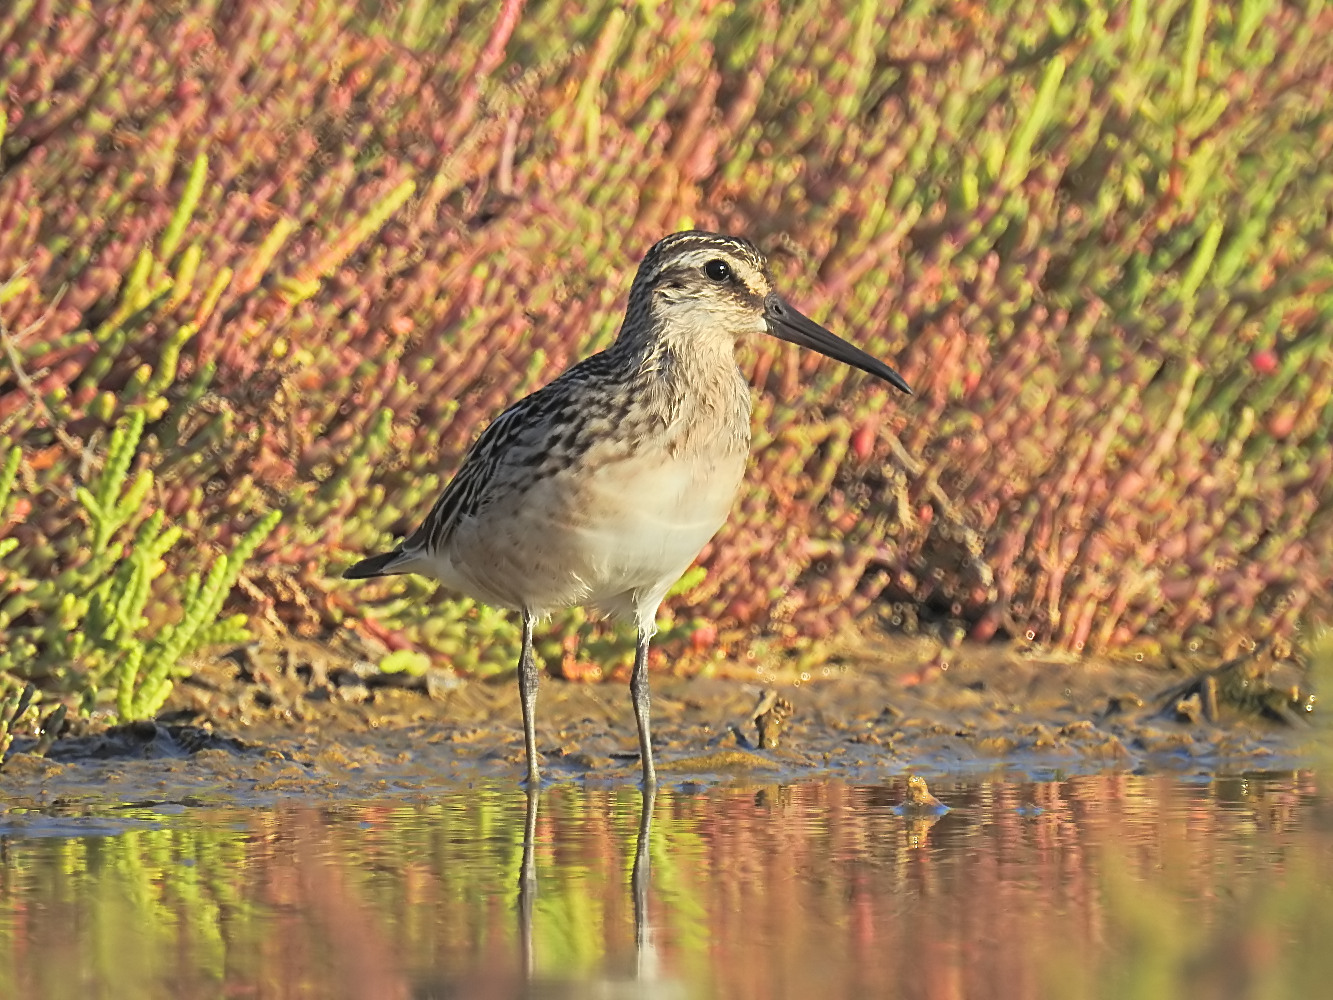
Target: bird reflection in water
{"x":647,"y":978}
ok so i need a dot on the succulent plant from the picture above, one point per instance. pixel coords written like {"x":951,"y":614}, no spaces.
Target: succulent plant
{"x":317,"y":251}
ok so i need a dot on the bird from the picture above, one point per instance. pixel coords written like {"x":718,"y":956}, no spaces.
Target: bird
{"x":601,"y":488}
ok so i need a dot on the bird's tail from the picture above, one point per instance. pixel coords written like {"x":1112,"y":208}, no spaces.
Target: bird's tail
{"x":380,"y":565}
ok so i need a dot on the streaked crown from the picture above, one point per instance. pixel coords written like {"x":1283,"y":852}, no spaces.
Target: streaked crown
{"x":682,"y":261}
{"x":692,"y":277}
{"x":698,"y":292}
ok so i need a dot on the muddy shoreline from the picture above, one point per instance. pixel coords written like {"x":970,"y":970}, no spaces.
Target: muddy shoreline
{"x":273,"y":721}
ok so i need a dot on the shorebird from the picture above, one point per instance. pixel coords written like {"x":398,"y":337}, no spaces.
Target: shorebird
{"x":601,"y":488}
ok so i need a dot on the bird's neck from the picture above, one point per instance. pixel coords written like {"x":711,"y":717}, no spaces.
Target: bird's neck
{"x":688,"y":392}
{"x":690,"y":351}
{"x":666,"y":364}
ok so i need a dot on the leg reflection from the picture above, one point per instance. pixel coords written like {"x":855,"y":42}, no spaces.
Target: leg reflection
{"x":647,"y":963}
{"x":645,"y":948}
{"x":527,"y":880}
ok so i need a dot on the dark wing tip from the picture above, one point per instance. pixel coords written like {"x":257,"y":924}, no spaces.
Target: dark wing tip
{"x":372,"y":566}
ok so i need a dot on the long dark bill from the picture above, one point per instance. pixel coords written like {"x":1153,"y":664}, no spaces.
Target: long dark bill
{"x":790,"y":325}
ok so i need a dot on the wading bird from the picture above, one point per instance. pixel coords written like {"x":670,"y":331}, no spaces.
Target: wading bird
{"x":601,"y":488}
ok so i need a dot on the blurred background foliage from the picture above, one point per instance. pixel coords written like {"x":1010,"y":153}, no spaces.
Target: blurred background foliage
{"x":310,"y":248}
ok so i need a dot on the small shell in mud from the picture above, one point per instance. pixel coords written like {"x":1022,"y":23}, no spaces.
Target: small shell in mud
{"x":770,"y":718}
{"x":919,"y":800}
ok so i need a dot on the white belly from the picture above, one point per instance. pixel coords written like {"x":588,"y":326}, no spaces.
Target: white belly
{"x":615,"y":538}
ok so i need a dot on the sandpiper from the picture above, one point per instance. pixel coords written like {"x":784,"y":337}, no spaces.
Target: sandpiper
{"x":601,"y":488}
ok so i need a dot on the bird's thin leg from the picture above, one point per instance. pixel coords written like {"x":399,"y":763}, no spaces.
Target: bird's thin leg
{"x":527,"y":693}
{"x":638,"y":689}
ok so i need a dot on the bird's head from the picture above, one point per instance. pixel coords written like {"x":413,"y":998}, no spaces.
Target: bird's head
{"x":709,"y":287}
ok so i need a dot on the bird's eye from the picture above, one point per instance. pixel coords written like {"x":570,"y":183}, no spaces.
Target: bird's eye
{"x":717,"y":270}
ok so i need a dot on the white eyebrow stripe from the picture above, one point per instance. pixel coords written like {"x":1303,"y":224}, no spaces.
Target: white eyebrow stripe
{"x":751,"y":277}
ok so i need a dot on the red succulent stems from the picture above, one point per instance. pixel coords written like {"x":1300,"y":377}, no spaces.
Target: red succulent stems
{"x":321,"y":250}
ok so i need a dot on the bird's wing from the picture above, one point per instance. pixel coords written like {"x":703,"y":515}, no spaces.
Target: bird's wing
{"x":467,"y":491}
{"x":541,"y":433}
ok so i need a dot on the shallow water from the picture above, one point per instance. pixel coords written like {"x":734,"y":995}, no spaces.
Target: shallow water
{"x":1112,"y":885}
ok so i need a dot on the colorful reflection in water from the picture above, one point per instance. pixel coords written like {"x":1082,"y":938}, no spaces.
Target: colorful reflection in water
{"x":1103,"y":886}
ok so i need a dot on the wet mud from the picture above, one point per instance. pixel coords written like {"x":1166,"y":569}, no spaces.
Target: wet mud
{"x":263,"y":723}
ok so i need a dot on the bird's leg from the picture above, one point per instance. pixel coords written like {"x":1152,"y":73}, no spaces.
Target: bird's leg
{"x":638,"y":689}
{"x":527,"y":693}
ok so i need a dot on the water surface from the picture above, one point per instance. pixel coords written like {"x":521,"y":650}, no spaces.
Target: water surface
{"x":1113,"y":885}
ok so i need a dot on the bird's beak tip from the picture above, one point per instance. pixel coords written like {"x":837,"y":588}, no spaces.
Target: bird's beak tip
{"x":789,"y":324}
